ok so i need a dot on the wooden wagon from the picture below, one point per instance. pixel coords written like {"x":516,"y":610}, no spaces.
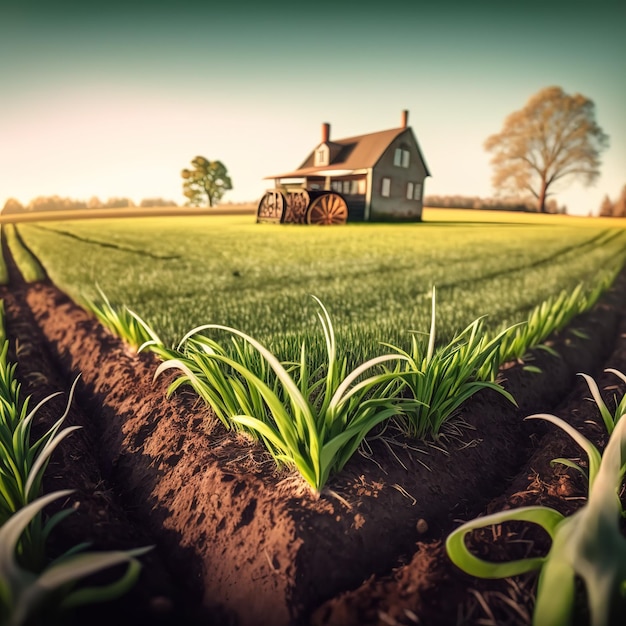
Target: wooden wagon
{"x":302,"y":206}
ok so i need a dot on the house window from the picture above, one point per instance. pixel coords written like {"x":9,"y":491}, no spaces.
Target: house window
{"x":385,"y":187}
{"x":409,"y":191}
{"x":346,"y":186}
{"x":417,"y":191}
{"x":321,"y":155}
{"x":401,"y":157}
{"x":335,"y":185}
{"x":360,"y":187}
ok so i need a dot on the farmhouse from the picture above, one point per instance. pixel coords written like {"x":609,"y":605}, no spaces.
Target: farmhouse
{"x":374,"y":177}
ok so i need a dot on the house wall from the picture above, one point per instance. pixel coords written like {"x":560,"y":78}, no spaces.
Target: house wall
{"x":397,"y":207}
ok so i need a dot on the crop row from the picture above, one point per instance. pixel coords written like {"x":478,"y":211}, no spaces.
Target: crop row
{"x":312,"y":414}
{"x":31,"y":585}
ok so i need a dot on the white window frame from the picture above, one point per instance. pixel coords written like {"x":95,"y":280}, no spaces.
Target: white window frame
{"x":385,"y":187}
{"x":417,"y":191}
{"x":409,"y":191}
{"x":322,"y":155}
{"x":401,"y":157}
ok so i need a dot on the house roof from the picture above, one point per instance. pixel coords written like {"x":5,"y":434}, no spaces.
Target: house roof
{"x":353,"y":153}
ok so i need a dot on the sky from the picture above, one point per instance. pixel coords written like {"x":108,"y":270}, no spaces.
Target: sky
{"x":114,"y":99}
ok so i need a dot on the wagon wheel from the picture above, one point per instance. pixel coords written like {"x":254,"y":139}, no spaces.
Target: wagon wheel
{"x":271,"y":207}
{"x":330,"y":208}
{"x":297,"y":203}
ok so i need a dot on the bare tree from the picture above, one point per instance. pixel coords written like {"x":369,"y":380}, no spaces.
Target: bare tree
{"x":553,"y":137}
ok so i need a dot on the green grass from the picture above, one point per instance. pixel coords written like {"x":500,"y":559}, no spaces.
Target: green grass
{"x":29,"y":267}
{"x":178,"y":273}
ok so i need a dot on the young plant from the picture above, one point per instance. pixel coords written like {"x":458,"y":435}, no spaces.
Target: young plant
{"x":441,"y":379}
{"x":23,"y":463}
{"x":609,"y":419}
{"x":124,"y":323}
{"x":24,"y":593}
{"x":588,"y":544}
{"x":4,"y":272}
{"x":313,"y":421}
{"x":552,"y":315}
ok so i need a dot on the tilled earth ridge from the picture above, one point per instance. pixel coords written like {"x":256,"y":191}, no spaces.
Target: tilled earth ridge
{"x":100,"y":514}
{"x":430,"y":590}
{"x":231,"y":530}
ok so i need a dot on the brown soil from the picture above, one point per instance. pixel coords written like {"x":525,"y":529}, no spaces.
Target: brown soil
{"x":237,"y":542}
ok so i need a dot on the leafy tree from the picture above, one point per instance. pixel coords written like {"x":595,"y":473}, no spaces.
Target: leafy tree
{"x":13,"y":206}
{"x":207,"y":181}
{"x":553,"y":137}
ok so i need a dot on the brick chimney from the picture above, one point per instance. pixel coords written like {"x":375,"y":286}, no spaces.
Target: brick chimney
{"x":405,"y":119}
{"x":325,"y":132}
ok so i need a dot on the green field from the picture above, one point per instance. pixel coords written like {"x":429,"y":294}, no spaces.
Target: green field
{"x":375,"y":279}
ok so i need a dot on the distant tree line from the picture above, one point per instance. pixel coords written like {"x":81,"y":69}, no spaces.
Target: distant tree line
{"x":608,"y":208}
{"x":526,"y":205}
{"x":57,"y":203}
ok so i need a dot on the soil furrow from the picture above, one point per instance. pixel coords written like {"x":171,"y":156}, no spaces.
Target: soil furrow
{"x":99,"y":516}
{"x":435,"y":592}
{"x":260,"y":543}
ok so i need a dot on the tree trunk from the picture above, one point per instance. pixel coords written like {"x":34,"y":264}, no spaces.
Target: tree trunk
{"x":542,"y":198}
{"x":208,"y":195}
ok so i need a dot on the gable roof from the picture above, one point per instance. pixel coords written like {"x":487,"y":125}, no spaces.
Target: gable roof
{"x":353,"y":153}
